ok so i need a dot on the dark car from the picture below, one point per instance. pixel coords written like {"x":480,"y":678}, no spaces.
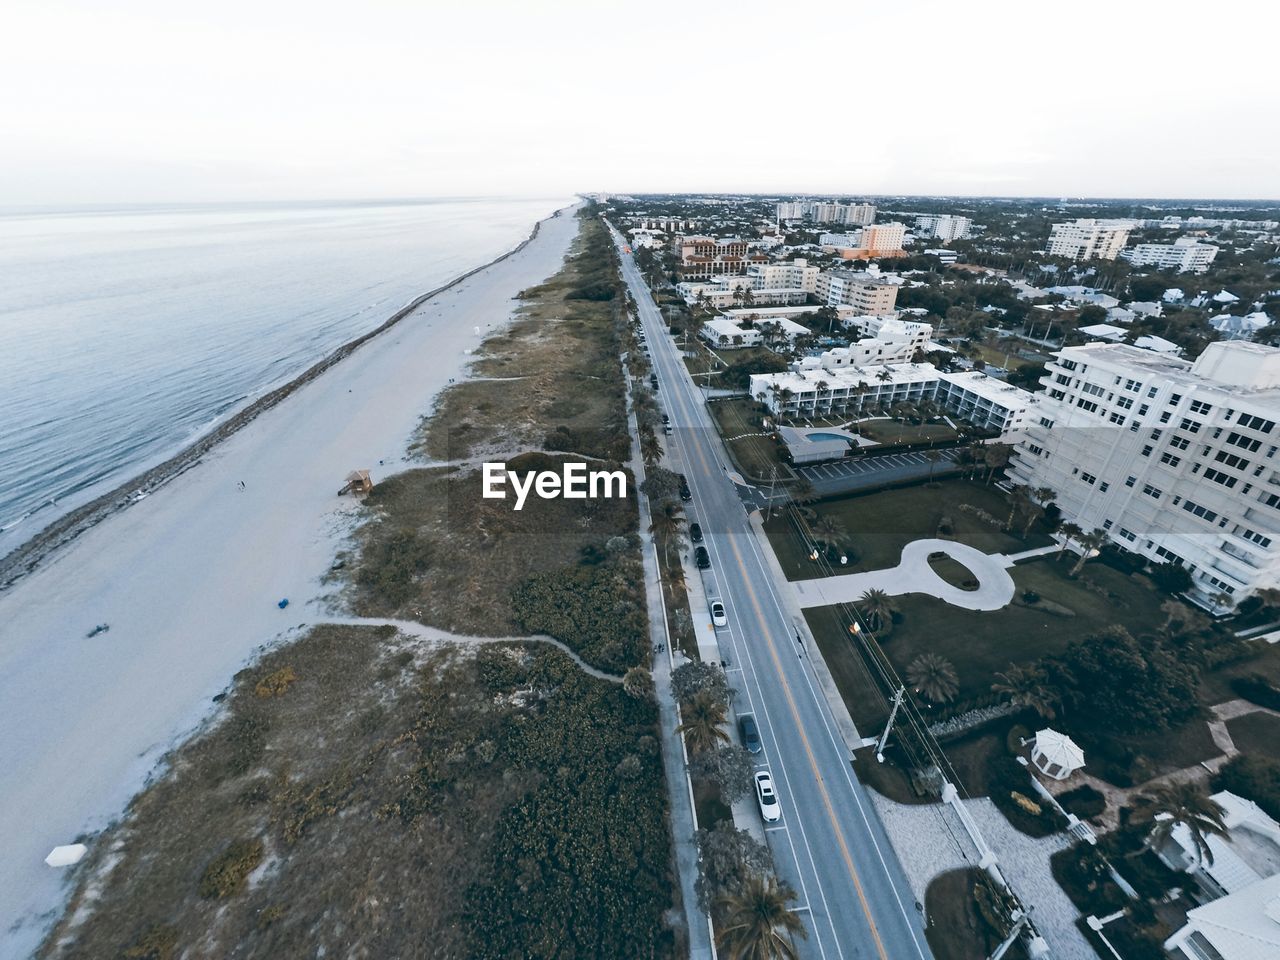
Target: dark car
{"x":666,"y":418}
{"x":702,"y":558}
{"x":750,"y":733}
{"x":695,"y":532}
{"x":685,"y":493}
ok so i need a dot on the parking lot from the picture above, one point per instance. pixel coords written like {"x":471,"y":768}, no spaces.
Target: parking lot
{"x":909,"y":465}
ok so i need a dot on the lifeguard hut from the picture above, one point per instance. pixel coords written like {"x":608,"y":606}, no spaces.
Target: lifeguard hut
{"x":358,"y":483}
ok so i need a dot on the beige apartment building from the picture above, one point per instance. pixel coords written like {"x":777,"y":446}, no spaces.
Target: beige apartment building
{"x":867,"y":293}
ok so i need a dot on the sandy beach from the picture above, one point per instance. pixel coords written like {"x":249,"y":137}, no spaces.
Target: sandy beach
{"x":189,"y":579}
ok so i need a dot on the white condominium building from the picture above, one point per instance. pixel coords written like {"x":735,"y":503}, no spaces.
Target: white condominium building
{"x":944,"y":226}
{"x":1088,"y":239}
{"x":885,"y":340}
{"x":792,"y":210}
{"x":1175,"y":460}
{"x":865,"y":292}
{"x":796,"y":274}
{"x":1186,"y":255}
{"x":984,"y":401}
{"x":850,"y":214}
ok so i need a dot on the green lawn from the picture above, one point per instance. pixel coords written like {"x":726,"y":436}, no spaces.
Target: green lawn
{"x":981,"y":644}
{"x":902,"y":432}
{"x":1216,"y":684}
{"x":878,"y":525}
{"x":755,"y":456}
{"x":1256,"y":734}
{"x":858,"y":690}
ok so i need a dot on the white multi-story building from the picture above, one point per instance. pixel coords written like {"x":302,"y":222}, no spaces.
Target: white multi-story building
{"x":1175,"y":460}
{"x":885,"y":340}
{"x":850,"y":214}
{"x":944,"y":226}
{"x":794,"y":274}
{"x":1186,"y":255}
{"x":841,"y":240}
{"x":988,"y":403}
{"x":731,"y":332}
{"x":864,"y":291}
{"x":1088,"y":239}
{"x":792,"y":209}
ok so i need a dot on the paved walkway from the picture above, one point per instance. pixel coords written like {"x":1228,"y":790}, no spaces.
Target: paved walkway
{"x":914,"y":575}
{"x":930,"y":840}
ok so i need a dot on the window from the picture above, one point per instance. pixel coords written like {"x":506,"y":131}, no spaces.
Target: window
{"x":1103,"y":487}
{"x":1257,"y":538}
{"x":1088,"y":478}
{"x":1033,"y":449}
{"x":1217,"y":476}
{"x":1231,"y":460}
{"x":1169,"y":556}
{"x":1151,"y":392}
{"x":1130,"y":481}
{"x":1181,"y":443}
{"x":1062,"y":378}
{"x":1164,"y":417}
{"x":1170,"y":460}
{"x":1106,"y":524}
{"x":1067,"y":364}
{"x":1127,"y":534}
{"x":1270,"y":499}
{"x":1196,"y":510}
{"x":1046,"y":423}
{"x":1056,"y":394}
{"x":1092,"y":389}
{"x":1155,"y":493}
{"x":1175,"y":399}
{"x":1146,"y":450}
{"x":1246,"y":443}
{"x":1117,"y":419}
{"x":1087,"y":405}
{"x":1155,"y":434}
{"x":1191,"y":426}
{"x":1133,"y":386}
{"x":1256,"y":423}
{"x":1200,"y":407}
{"x":1142,"y":410}
{"x":1125,"y":403}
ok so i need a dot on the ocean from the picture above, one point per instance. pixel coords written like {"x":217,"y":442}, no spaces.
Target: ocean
{"x":126,"y":333}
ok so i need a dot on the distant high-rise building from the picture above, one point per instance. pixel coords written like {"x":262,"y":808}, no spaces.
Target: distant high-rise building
{"x":1186,"y":255}
{"x":850,"y":214}
{"x":792,"y":210}
{"x":1088,"y":239}
{"x":944,"y":227}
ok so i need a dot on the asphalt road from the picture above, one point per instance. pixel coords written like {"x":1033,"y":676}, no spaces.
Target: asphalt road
{"x":829,"y":844}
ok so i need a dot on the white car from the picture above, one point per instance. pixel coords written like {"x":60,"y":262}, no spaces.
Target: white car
{"x":767,"y":797}
{"x":718,"y":616}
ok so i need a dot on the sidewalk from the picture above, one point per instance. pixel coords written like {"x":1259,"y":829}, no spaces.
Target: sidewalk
{"x":683,"y":818}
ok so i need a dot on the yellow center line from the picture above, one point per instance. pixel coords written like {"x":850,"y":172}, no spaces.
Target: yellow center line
{"x":813,"y":761}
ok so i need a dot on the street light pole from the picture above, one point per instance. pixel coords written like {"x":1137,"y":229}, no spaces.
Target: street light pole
{"x":893,"y":714}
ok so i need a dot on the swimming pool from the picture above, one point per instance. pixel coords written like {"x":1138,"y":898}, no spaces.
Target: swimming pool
{"x":828,"y":436}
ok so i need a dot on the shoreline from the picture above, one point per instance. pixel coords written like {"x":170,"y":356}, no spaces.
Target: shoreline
{"x":28,"y":555}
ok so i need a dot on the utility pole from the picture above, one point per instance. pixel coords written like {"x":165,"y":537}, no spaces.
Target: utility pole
{"x":773,"y":479}
{"x":893,"y":714}
{"x":1014,"y":933}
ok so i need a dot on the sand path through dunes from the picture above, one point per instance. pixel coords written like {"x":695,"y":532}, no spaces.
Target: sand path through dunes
{"x":189,"y":580}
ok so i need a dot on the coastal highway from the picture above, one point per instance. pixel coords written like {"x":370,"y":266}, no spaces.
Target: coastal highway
{"x":829,"y":845}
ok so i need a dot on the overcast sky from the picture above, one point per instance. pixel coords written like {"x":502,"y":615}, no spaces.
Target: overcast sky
{"x":275,"y":99}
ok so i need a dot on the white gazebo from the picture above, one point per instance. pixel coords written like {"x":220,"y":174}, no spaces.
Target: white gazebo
{"x":1055,"y":754}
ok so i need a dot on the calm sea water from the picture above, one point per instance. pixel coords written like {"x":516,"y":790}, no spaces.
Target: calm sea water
{"x":126,"y":333}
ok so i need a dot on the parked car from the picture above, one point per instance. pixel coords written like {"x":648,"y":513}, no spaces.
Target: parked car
{"x":666,"y":418}
{"x":701,"y":558}
{"x":718,"y":615}
{"x":767,"y":797}
{"x":666,"y":429}
{"x":750,"y":733}
{"x":695,"y":532}
{"x":685,"y":493}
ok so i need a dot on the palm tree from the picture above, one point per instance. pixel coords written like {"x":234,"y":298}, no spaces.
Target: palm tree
{"x":650,"y":448}
{"x":675,"y":576}
{"x":1019,"y":497}
{"x":1026,"y":686}
{"x":933,"y":677}
{"x":933,"y":456}
{"x":1042,"y":497}
{"x":996,"y":456}
{"x":876,"y":609}
{"x":802,"y":491}
{"x":1270,"y":597}
{"x":1070,"y":532}
{"x":1089,"y":542}
{"x":757,"y":924}
{"x":666,"y":525}
{"x":703,"y":727}
{"x":1186,"y":802}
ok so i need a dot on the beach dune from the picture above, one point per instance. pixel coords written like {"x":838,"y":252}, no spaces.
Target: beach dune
{"x":189,"y":580}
